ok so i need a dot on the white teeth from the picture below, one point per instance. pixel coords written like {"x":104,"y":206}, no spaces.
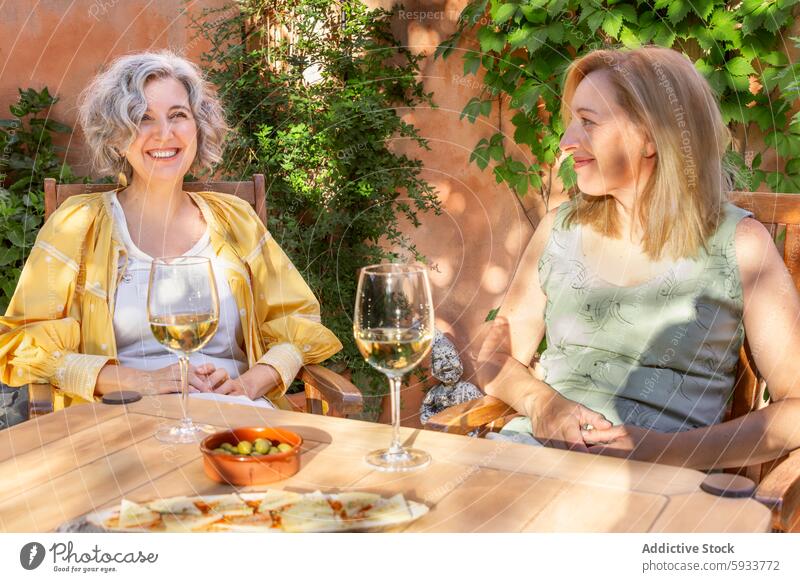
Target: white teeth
{"x":163,"y":153}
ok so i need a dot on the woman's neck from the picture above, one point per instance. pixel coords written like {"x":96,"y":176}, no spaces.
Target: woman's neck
{"x":156,"y":203}
{"x":629,"y":226}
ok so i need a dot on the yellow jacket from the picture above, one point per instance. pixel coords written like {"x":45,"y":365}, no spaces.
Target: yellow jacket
{"x":59,"y":325}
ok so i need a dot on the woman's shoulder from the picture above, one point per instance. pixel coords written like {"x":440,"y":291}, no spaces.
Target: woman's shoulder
{"x":229,"y":206}
{"x":76,"y":213}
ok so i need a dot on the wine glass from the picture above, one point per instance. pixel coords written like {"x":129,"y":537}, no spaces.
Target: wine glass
{"x":393,"y":328}
{"x":183,"y":311}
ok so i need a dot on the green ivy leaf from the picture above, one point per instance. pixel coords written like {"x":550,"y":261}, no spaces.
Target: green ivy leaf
{"x":567,"y":173}
{"x":526,"y":133}
{"x":627,"y":12}
{"x":595,"y":20}
{"x":678,"y":9}
{"x":792,"y":166}
{"x":527,"y":95}
{"x":519,"y":36}
{"x":739,"y":67}
{"x":723,"y":26}
{"x":612,"y":23}
{"x":472,"y":62}
{"x":556,"y":8}
{"x":471,"y":110}
{"x":491,"y":40}
{"x":763,"y":117}
{"x":703,"y":8}
{"x":533,"y":12}
{"x":775,"y":20}
{"x":555,"y":32}
{"x":629,"y":38}
{"x":664,"y":36}
{"x":774,"y":58}
{"x":503,"y":12}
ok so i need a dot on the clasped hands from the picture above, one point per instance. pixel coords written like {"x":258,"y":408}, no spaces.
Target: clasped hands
{"x":564,"y":424}
{"x":256,"y":382}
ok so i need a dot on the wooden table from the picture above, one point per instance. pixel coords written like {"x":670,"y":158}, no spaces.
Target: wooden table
{"x":65,"y":464}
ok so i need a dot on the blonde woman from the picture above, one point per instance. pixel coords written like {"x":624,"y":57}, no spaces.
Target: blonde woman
{"x":646,"y":282}
{"x":78,"y":315}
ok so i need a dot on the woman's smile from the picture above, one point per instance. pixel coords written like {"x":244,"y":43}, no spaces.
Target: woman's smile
{"x":163,"y":154}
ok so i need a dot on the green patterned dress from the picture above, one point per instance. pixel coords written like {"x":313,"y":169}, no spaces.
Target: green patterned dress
{"x":659,"y":355}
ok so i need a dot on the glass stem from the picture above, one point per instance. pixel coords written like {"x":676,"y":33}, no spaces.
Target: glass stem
{"x":184,"y":363}
{"x":394,"y":396}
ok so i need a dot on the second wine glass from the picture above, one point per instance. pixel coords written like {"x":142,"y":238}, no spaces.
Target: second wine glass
{"x":393,"y":328}
{"x":183,"y":311}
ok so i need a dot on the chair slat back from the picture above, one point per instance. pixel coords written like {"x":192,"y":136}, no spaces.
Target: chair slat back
{"x":251,"y":191}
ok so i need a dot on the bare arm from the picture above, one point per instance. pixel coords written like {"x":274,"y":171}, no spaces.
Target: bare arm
{"x":509,"y":344}
{"x":772,"y":325}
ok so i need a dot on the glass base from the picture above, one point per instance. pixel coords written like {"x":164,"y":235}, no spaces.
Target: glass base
{"x":398,"y":461}
{"x":184,"y":433}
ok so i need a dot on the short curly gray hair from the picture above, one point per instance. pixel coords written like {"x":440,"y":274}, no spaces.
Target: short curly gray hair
{"x":113,"y":104}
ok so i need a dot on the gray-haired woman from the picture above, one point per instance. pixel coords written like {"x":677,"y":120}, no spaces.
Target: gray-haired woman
{"x":153,"y":118}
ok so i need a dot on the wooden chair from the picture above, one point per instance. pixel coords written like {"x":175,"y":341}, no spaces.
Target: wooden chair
{"x":321,"y":384}
{"x":778,"y":481}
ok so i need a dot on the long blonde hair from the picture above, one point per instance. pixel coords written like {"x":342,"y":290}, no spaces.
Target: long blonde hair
{"x":679,"y":207}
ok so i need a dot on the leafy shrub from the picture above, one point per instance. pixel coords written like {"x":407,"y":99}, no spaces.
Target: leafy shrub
{"x":27,"y":157}
{"x":311,"y":88}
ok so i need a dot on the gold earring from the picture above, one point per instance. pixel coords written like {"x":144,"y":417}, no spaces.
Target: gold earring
{"x":122,"y":180}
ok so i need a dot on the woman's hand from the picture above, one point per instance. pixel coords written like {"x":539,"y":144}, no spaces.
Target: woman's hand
{"x":557,"y":422}
{"x":168,"y":380}
{"x":162,"y":381}
{"x":257,"y":381}
{"x":627,"y":441}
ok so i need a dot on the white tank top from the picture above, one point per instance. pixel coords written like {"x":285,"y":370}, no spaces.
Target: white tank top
{"x":136,"y":346}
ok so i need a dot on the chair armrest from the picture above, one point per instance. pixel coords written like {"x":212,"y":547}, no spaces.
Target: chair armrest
{"x":780,"y":491}
{"x":40,"y":399}
{"x":337,"y":391}
{"x":468,"y":416}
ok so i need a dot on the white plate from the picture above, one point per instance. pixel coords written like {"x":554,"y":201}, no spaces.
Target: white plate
{"x":417,"y":510}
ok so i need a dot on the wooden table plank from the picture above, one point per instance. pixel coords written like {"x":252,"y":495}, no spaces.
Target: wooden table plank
{"x":700,"y":512}
{"x":489,"y":501}
{"x":575,"y":509}
{"x":88,"y":457}
{"x":504,"y":455}
{"x":33,"y":434}
{"x":62,"y":456}
{"x":92,"y":486}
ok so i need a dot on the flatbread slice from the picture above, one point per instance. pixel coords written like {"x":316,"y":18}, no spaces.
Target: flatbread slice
{"x":175,"y":506}
{"x":355,"y":503}
{"x":230,"y":506}
{"x":134,"y":515}
{"x":309,"y":514}
{"x":389,"y":511}
{"x":274,"y":499}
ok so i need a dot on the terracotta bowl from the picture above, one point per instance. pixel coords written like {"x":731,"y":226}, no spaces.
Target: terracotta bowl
{"x":244,"y":470}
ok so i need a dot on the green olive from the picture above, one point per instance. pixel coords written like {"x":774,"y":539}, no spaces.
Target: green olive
{"x":274,"y":450}
{"x":245,"y":447}
{"x":228,"y":447}
{"x":262,"y":446}
{"x":220,"y":450}
{"x":283,"y":447}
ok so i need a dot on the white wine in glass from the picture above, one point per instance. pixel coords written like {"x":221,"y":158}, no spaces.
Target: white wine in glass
{"x":393,"y":328}
{"x":183,"y":311}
